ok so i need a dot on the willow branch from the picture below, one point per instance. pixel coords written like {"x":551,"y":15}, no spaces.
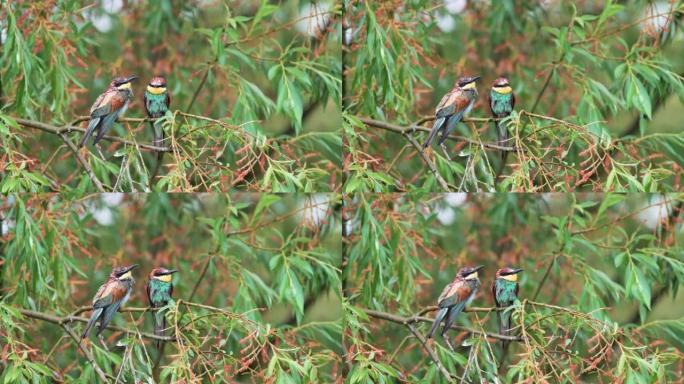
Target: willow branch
{"x":84,"y":163}
{"x":430,"y":352}
{"x":61,"y":321}
{"x":70,"y":128}
{"x":427,"y":161}
{"x":403,"y":320}
{"x":410,"y":129}
{"x":89,"y":356}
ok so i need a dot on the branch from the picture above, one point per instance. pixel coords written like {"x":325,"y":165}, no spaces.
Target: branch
{"x":86,"y":352}
{"x":84,"y":163}
{"x":61,"y":321}
{"x":427,"y":161}
{"x":416,"y":319}
{"x":430,"y":352}
{"x":70,"y":128}
{"x":410,"y":129}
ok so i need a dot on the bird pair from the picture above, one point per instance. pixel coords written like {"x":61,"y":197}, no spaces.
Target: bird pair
{"x":460,"y":100}
{"x":461,"y":291}
{"x":117,"y":289}
{"x":112,"y":104}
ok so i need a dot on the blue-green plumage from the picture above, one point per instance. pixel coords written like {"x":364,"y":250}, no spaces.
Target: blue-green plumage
{"x":157,"y":102}
{"x":505,"y":293}
{"x":159,"y":293}
{"x":501,"y":104}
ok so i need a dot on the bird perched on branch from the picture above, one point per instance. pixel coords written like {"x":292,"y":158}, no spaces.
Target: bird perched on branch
{"x":157,"y":101}
{"x":108,"y":107}
{"x":452,"y":108}
{"x":110,"y":297}
{"x":505,"y":292}
{"x":454,"y":298}
{"x":501,"y":103}
{"x":159,"y":292}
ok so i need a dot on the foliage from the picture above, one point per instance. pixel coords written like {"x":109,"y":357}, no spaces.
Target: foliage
{"x":590,"y":82}
{"x":598,"y":295}
{"x":252,"y":87}
{"x":257,"y":294}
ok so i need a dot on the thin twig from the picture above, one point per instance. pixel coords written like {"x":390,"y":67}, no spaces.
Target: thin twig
{"x":84,"y":163}
{"x":199,"y":87}
{"x":86,"y":352}
{"x":201,"y":277}
{"x":428,"y":162}
{"x":433,"y":354}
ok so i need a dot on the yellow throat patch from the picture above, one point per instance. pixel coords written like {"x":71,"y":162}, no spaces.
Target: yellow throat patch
{"x":503,"y":90}
{"x":155,"y":90}
{"x":124,"y":86}
{"x":164,"y":278}
{"x":469,"y":86}
{"x":512,"y":278}
{"x":472,"y":276}
{"x":126,"y":276}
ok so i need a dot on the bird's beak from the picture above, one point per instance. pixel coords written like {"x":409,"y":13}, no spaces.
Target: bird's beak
{"x":131,"y":78}
{"x":171,"y":271}
{"x":516,"y":271}
{"x":132,"y":267}
{"x":478,"y":268}
{"x":475,"y":78}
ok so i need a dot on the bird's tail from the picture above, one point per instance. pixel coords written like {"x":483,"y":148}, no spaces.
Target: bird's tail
{"x":157,"y":141}
{"x":93,"y":318}
{"x":436,"y":126}
{"x":92,"y":126}
{"x":438,"y":319}
{"x":158,"y":138}
{"x":159,"y":326}
{"x":502,"y":139}
{"x":107,"y":122}
{"x":504,"y":326}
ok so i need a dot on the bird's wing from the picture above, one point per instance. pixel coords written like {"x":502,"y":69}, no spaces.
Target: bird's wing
{"x":168,"y":99}
{"x":171,"y":290}
{"x":517,"y":288}
{"x":102,"y":104}
{"x":446,"y":106}
{"x":109,"y":293}
{"x":454,"y":293}
{"x":456,"y":102}
{"x":108,"y":102}
{"x":494,"y":293}
{"x":490,"y":101}
{"x":103,"y":297}
{"x":147,"y":108}
{"x":512,"y":100}
{"x":149,"y":293}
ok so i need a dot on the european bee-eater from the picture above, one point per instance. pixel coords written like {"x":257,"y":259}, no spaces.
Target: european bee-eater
{"x":159,"y":292}
{"x":501,"y":103}
{"x":108,"y":107}
{"x":452,"y":108}
{"x":505,"y":292}
{"x":157,"y":101}
{"x":454,"y":298}
{"x":110,"y":297}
